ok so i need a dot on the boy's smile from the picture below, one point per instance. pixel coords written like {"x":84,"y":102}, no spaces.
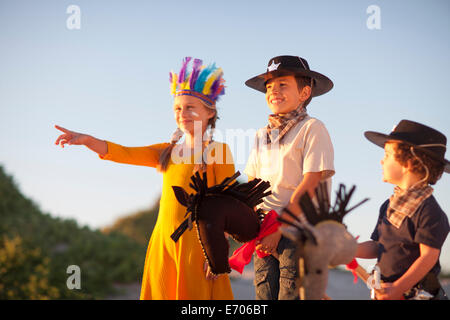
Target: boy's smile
{"x":283,"y":95}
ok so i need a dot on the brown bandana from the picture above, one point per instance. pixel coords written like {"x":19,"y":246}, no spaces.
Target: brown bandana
{"x":280,"y":124}
{"x":404,"y":203}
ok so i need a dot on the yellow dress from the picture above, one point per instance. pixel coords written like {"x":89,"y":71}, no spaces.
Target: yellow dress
{"x":174,"y":271}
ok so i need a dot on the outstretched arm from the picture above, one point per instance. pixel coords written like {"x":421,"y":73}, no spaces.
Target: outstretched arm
{"x":76,"y":138}
{"x":367,"y":250}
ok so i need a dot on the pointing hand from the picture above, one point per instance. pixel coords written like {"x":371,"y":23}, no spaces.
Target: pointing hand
{"x":70,"y":137}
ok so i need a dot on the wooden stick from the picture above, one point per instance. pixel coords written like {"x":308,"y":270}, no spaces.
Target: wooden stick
{"x":362,"y":273}
{"x":364,"y":276}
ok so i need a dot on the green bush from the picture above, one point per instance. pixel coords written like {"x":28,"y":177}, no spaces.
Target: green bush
{"x":36,"y":249}
{"x":24,"y":272}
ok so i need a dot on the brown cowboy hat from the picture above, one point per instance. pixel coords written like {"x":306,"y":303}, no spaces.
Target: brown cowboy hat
{"x":417,"y":135}
{"x":291,"y":65}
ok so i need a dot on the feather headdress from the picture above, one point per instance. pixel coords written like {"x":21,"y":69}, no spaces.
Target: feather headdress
{"x":203,"y":82}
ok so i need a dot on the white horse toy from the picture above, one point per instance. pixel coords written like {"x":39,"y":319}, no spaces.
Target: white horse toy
{"x":323,"y":240}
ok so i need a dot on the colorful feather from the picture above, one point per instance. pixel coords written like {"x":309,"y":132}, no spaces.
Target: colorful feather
{"x":200,"y":83}
{"x":195,"y":72}
{"x":182,"y":74}
{"x":173,"y":88}
{"x":214,"y":88}
{"x":217,"y":89}
{"x":204,"y":82}
{"x":216,"y":74}
{"x":185,"y":85}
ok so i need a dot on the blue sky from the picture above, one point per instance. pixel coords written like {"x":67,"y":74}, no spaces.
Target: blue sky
{"x":110,"y":79}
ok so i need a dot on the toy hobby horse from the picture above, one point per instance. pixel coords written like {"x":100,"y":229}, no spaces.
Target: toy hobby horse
{"x":323,"y":240}
{"x":226,"y":207}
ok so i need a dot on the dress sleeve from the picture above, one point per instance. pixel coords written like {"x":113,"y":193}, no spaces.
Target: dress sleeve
{"x":140,"y":156}
{"x":318,"y":152}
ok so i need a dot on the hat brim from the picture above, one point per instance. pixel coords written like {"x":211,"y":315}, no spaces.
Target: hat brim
{"x":380,"y":139}
{"x":322,"y":84}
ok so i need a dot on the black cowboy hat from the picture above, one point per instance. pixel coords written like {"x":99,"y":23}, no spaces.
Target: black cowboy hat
{"x":415,"y":134}
{"x":291,"y":65}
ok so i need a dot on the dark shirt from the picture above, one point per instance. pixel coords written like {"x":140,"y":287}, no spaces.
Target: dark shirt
{"x":399,"y":248}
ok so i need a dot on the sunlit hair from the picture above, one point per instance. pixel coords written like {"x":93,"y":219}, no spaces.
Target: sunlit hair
{"x":419,"y":161}
{"x":304,"y":82}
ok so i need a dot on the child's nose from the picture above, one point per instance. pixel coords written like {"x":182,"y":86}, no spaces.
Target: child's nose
{"x":184,"y":113}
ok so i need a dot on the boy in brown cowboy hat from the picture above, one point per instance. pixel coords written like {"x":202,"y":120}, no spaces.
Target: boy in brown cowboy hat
{"x":293,"y":152}
{"x":411,"y":227}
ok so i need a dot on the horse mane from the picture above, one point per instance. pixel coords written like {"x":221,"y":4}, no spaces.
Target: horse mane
{"x":250,"y":193}
{"x":315,"y":214}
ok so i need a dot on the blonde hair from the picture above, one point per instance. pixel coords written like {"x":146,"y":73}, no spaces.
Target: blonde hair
{"x":166,"y":153}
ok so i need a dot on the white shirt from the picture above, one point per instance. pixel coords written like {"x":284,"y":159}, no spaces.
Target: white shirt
{"x":305,"y":148}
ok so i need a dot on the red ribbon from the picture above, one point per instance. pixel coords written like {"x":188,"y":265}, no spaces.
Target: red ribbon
{"x":352,"y":266}
{"x":243,"y":255}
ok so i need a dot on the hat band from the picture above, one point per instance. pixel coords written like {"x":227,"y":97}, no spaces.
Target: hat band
{"x":437,"y":149}
{"x":195,"y":94}
{"x":432,"y":145}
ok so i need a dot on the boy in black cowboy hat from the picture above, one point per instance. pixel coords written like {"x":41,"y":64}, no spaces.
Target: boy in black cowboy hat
{"x":411,"y":227}
{"x":294,"y":153}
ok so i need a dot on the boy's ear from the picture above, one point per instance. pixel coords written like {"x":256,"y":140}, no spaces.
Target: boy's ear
{"x":407,"y":167}
{"x":305,"y":93}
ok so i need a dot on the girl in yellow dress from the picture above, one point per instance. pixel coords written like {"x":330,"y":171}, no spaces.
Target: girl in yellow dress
{"x":178,"y":270}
